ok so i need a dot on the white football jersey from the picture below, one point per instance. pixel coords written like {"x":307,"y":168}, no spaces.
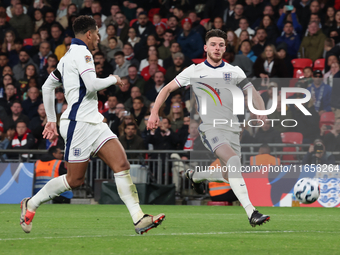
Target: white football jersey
{"x":82,"y":104}
{"x":211,"y":86}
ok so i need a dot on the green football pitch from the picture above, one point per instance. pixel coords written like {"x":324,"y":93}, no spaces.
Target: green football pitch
{"x":107,"y":229}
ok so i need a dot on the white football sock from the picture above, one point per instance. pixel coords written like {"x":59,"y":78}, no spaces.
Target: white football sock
{"x":51,"y":189}
{"x":209,"y":175}
{"x":238,"y":185}
{"x":128,"y":194}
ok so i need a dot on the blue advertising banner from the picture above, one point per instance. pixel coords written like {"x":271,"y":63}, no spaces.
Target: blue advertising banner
{"x":16,"y":182}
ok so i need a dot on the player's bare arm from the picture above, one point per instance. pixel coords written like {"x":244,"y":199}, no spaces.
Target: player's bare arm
{"x":162,"y":96}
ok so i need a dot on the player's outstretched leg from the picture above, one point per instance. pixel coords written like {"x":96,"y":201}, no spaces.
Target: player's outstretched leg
{"x":52,"y":189}
{"x":237,"y":184}
{"x":126,"y":189}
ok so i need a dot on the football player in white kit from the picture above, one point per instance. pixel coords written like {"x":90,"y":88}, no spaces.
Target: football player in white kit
{"x":212,"y":82}
{"x":83,"y":130}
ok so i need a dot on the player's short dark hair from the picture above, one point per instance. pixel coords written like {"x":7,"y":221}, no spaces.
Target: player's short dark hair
{"x":52,"y":149}
{"x":83,"y":23}
{"x":119,"y":53}
{"x":140,"y":98}
{"x":215,"y":33}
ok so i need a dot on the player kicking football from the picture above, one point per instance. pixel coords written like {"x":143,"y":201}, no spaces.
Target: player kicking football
{"x":83,"y":130}
{"x":224,"y":140}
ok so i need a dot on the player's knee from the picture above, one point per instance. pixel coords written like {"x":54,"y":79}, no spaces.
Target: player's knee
{"x":75,"y":182}
{"x":122,"y":166}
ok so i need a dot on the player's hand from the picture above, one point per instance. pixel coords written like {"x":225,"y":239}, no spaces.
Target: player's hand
{"x":261,"y":117}
{"x":153,"y":121}
{"x":119,"y":81}
{"x":50,"y":130}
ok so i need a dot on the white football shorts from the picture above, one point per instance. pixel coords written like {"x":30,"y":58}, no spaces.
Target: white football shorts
{"x":83,"y":139}
{"x":214,"y":138}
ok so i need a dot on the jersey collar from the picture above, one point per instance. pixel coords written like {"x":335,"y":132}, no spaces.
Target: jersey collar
{"x":207,"y":63}
{"x":78,"y":42}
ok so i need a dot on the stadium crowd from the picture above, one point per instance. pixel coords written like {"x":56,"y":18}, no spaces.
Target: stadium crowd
{"x":148,"y":42}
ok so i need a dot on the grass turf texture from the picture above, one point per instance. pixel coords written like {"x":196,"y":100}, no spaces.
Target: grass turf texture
{"x":107,"y":229}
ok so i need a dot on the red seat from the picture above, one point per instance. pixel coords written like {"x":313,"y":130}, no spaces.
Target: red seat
{"x":165,"y":20}
{"x":294,"y":138}
{"x":204,"y":21}
{"x":100,"y":105}
{"x":28,"y":41}
{"x":319,"y":64}
{"x":198,"y":60}
{"x":327,"y":118}
{"x":152,"y":12}
{"x":299,"y":64}
{"x":132,"y":21}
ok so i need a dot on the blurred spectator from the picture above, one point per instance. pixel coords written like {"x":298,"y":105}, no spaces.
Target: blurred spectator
{"x":86,"y":8}
{"x":8,"y":44}
{"x":260,"y":40}
{"x":112,"y":18}
{"x":329,"y":20}
{"x":160,"y":30}
{"x":3,"y":61}
{"x":264,"y":158}
{"x":267,"y":96}
{"x":97,"y":8}
{"x":135,"y":92}
{"x":133,"y":39}
{"x":131,"y":141}
{"x":321,"y":93}
{"x":287,"y":16}
{"x":152,"y":50}
{"x":330,"y":49}
{"x":159,"y":84}
{"x":292,"y":40}
{"x":107,"y":68}
{"x":14,"y":54}
{"x":122,"y":27}
{"x":37,"y":121}
{"x":59,"y":99}
{"x":191,"y":43}
{"x":234,"y":20}
{"x":41,"y":5}
{"x":63,"y":48}
{"x":244,"y":35}
{"x":178,"y":12}
{"x":44,"y":33}
{"x":175,"y":69}
{"x":111,"y":115}
{"x":113,"y":48}
{"x":173,"y":25}
{"x":151,"y":69}
{"x":253,"y":11}
{"x":34,"y":49}
{"x":310,"y":46}
{"x":318,"y":155}
{"x":176,"y":116}
{"x":52,"y":61}
{"x":174,"y":48}
{"x":21,"y":22}
{"x":4,"y":26}
{"x":10,"y":96}
{"x":163,"y":138}
{"x":245,"y":49}
{"x":57,"y":37}
{"x":269,"y":64}
{"x":15,"y":115}
{"x":30,"y":72}
{"x":143,"y":27}
{"x":141,"y":50}
{"x":38,"y":19}
{"x":196,"y":26}
{"x":332,"y":139}
{"x":268,"y":24}
{"x":329,"y":76}
{"x":138,"y":109}
{"x":217,"y":23}
{"x":10,"y":10}
{"x":282,"y":54}
{"x":335,"y":97}
{"x":129,"y":55}
{"x":111,"y":32}
{"x":232,"y":40}
{"x":101,"y":26}
{"x":71,"y":9}
{"x":40,"y":59}
{"x":239,"y":60}
{"x":62,"y":10}
{"x":31,"y":104}
{"x":267,"y":134}
{"x":122,"y":65}
{"x":124,"y":92}
{"x":7,"y":139}
{"x":23,"y":139}
{"x":126,"y":119}
{"x":244,"y":25}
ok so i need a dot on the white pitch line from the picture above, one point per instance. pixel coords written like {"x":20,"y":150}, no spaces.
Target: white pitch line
{"x":174,"y":234}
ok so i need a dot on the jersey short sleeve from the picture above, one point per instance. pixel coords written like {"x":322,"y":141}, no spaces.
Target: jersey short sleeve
{"x":242,"y":81}
{"x":85,"y":62}
{"x":183,"y":78}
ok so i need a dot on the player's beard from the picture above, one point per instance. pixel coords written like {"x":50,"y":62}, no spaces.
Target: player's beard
{"x":215,"y":59}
